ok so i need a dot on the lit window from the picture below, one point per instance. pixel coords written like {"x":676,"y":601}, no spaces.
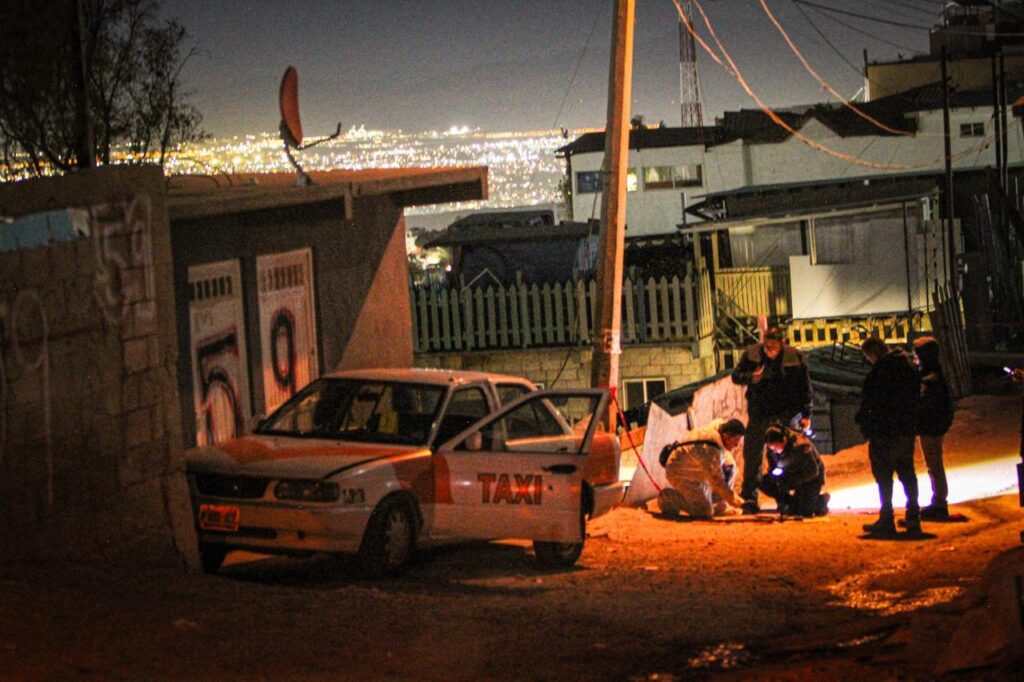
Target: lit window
{"x":657,"y":177}
{"x":631,"y":180}
{"x":667,"y":177}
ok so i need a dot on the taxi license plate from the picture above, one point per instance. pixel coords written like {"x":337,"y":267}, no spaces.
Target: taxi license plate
{"x":222,"y":517}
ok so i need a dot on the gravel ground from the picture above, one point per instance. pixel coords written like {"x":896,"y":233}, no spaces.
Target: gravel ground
{"x":651,"y":599}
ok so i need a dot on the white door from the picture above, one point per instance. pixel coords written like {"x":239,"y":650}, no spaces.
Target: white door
{"x":519,"y":473}
{"x":220,"y":375}
{"x":287,"y":325}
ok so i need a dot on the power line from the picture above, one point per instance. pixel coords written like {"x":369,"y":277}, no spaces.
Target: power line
{"x":901,"y":24}
{"x":828,"y":42}
{"x":858,"y":30}
{"x":825,"y":84}
{"x":866,"y":17}
{"x":734,"y":70}
{"x":575,"y":71}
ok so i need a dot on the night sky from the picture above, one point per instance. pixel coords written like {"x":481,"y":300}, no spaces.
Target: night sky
{"x":503,"y":65}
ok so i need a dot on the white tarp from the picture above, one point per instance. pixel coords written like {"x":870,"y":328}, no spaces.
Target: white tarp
{"x":719,"y":400}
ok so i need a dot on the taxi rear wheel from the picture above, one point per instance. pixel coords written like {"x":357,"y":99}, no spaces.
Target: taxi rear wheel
{"x":390,"y":538}
{"x":561,"y":554}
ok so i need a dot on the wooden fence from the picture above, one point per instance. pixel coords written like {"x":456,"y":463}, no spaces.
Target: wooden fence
{"x":525,"y":316}
{"x":754,"y":291}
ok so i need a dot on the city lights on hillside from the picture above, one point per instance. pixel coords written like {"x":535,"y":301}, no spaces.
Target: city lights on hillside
{"x":523,"y":170}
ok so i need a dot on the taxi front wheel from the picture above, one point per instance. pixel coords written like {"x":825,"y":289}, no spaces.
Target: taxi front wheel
{"x":390,"y":538}
{"x":561,"y":554}
{"x":211,"y":556}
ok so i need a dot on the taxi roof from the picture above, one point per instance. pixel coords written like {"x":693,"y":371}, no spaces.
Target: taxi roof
{"x":422,"y":375}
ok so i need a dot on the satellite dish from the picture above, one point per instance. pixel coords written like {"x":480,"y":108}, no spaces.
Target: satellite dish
{"x":291,"y":125}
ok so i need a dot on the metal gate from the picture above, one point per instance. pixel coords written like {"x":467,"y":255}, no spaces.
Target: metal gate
{"x":220,"y":378}
{"x":287,"y":324}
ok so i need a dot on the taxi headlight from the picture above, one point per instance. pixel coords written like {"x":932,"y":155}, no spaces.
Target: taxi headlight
{"x":307,"y":491}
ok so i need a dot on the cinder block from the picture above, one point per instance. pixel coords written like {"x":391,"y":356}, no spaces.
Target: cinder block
{"x":85,"y":258}
{"x":136,"y":355}
{"x":156,"y":353}
{"x":26,"y":388}
{"x":142,"y":319}
{"x":133,"y":285}
{"x":137,"y":427}
{"x":144,"y":504}
{"x":35,"y":268}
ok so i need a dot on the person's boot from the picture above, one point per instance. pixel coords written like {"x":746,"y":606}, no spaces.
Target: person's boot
{"x":751,"y":507}
{"x":912,"y":522}
{"x":821,"y":507}
{"x":884,"y":527}
{"x":935,"y":512}
{"x":670,"y":502}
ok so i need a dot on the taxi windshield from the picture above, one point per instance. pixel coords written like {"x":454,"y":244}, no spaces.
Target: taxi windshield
{"x":358,"y":410}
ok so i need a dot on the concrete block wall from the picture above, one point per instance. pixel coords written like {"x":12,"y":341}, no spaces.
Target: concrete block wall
{"x":673,"y":362}
{"x":91,"y":462}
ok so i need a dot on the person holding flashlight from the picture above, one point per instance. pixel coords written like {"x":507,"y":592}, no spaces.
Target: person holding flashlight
{"x":796,"y":473}
{"x":778,"y":389}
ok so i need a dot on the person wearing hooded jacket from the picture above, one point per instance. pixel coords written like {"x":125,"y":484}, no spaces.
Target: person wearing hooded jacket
{"x":888,"y":419}
{"x":796,"y":473}
{"x":934,"y":418}
{"x":694,"y":469}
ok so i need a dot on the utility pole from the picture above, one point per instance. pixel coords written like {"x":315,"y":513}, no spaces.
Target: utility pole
{"x":608,"y":322}
{"x":948,"y":243}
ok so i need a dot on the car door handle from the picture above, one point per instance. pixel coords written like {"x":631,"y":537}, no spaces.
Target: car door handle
{"x":560,"y":469}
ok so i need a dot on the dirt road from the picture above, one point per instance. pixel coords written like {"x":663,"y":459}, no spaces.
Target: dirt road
{"x":651,"y":599}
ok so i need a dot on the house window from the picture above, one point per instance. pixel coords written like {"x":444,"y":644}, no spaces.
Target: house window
{"x":588,"y":182}
{"x":642,"y":391}
{"x":657,"y":177}
{"x":667,"y":177}
{"x":972,"y":129}
{"x":688,"y":175}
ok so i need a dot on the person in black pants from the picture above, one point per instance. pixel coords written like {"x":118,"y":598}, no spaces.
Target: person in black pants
{"x":796,"y":473}
{"x":778,"y":389}
{"x":887,"y":417}
{"x":934,"y":418}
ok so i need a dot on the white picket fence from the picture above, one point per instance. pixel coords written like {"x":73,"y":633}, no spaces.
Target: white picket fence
{"x":522,"y":316}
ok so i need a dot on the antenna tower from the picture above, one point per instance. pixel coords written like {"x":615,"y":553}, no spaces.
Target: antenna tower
{"x":689,"y":90}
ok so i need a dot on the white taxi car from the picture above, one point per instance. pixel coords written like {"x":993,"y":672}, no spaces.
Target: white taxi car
{"x":377,"y":462}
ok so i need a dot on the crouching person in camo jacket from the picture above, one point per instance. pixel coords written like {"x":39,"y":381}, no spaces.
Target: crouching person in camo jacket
{"x":699,"y":471}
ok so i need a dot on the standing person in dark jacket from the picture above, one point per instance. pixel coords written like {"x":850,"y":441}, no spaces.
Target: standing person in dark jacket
{"x":778,"y":389}
{"x":934,"y":417}
{"x":796,"y":473}
{"x":888,"y":419}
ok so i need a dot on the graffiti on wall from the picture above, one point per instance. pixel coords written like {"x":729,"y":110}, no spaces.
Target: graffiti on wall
{"x":29,"y":343}
{"x":287,"y":328}
{"x":124,"y":287}
{"x":122,"y":240}
{"x":220,"y":377}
